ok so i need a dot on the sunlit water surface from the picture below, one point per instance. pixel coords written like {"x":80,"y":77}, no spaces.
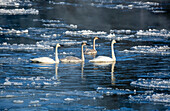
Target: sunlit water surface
{"x":138,"y":80}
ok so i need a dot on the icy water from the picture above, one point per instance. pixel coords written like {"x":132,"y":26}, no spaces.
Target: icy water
{"x":138,"y":80}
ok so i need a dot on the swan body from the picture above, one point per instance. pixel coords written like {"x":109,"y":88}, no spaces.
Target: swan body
{"x":43,"y":60}
{"x":72,"y":59}
{"x":47,"y":60}
{"x":92,"y":51}
{"x":103,"y":59}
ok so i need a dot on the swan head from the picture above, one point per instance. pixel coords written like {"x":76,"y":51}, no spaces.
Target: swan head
{"x":96,"y":38}
{"x":113,"y":41}
{"x":84,"y":43}
{"x":58,"y":45}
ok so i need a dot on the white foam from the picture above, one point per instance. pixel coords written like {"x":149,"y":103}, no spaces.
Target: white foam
{"x":152,"y":83}
{"x":149,"y":49}
{"x":18,"y":11}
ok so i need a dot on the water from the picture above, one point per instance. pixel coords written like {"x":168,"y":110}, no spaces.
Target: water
{"x":138,"y":80}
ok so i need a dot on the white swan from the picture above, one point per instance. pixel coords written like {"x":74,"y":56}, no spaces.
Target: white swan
{"x":105,"y":58}
{"x":72,"y":59}
{"x":47,"y":60}
{"x":92,"y":51}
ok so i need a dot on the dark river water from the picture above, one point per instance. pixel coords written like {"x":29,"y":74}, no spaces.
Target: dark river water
{"x":138,"y":80}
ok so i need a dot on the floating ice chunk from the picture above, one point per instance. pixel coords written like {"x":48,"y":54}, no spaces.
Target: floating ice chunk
{"x":153,"y":32}
{"x":7,"y":83}
{"x":110,"y":35}
{"x":15,"y":3}
{"x":165,"y":98}
{"x":17,"y":83}
{"x":26,"y":47}
{"x":69,"y":99}
{"x":18,"y":101}
{"x":64,"y":3}
{"x":46,"y":83}
{"x":152,"y":83}
{"x":12,"y":31}
{"x":110,"y":91}
{"x":44,"y":99}
{"x":34,"y":102}
{"x":62,"y":25}
{"x":9,"y":96}
{"x":149,"y":49}
{"x":18,"y":11}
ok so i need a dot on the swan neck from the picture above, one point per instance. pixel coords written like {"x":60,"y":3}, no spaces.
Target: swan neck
{"x":82,"y":53}
{"x":56,"y":54}
{"x":94,"y":43}
{"x":113,"y":53}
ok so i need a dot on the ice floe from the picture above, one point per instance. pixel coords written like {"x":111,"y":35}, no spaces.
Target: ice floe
{"x":18,"y":101}
{"x":157,"y":97}
{"x":15,"y":3}
{"x":153,"y":32}
{"x":64,"y":3}
{"x":25,"y":47}
{"x":69,"y":99}
{"x":61,"y":25}
{"x":12,"y":31}
{"x":30,"y":81}
{"x":125,"y":5}
{"x":18,"y":11}
{"x":110,"y":91}
{"x":152,"y":83}
{"x":34,"y":102}
{"x":164,"y":50}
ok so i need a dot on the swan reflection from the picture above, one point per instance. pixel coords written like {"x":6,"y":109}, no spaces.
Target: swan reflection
{"x":113,"y":79}
{"x":82,"y":70}
{"x":56,"y":72}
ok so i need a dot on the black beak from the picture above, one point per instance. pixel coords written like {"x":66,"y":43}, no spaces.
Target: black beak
{"x":61,"y":45}
{"x":117,"y":41}
{"x":87,"y":44}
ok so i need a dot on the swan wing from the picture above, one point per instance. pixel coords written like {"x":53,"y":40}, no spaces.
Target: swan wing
{"x":90,"y":51}
{"x":71,"y":59}
{"x":43,"y":60}
{"x":102,"y":59}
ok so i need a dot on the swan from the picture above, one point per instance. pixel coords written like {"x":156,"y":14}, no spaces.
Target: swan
{"x":47,"y":60}
{"x":72,"y":59}
{"x":105,"y":58}
{"x":92,"y":51}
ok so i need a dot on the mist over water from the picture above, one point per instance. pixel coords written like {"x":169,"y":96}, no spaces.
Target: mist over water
{"x":138,"y":80}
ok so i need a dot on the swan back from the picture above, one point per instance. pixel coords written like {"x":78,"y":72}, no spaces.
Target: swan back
{"x":72,"y":59}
